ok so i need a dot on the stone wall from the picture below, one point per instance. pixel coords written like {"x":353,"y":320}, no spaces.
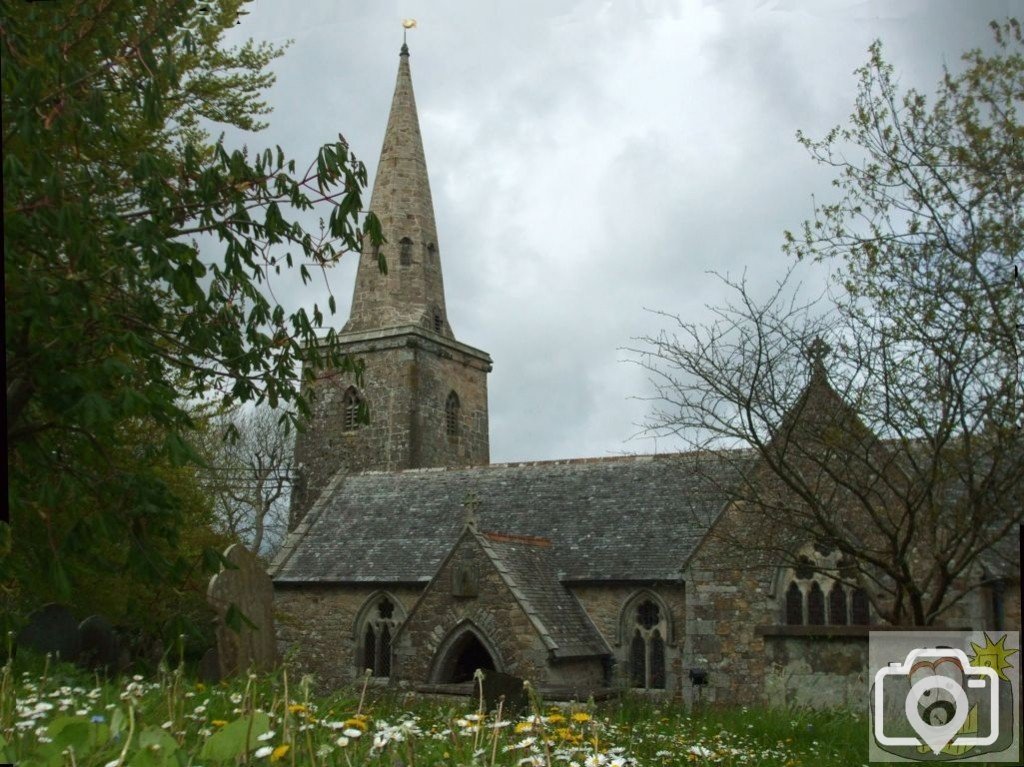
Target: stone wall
{"x":316,"y":623}
{"x":408,"y":375}
{"x":495,"y":614}
{"x":604,"y":604}
{"x":816,"y":669}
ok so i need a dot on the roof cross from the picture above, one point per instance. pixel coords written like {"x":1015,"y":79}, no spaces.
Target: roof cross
{"x":471,"y":504}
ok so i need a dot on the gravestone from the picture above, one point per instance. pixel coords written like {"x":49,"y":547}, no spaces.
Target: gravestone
{"x":209,"y":666}
{"x":52,"y":629}
{"x":497,"y":684}
{"x":250,"y":590}
{"x":100,"y":646}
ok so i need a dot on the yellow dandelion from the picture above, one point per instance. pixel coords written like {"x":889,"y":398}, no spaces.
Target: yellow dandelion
{"x":523,"y":726}
{"x":279,"y":752}
{"x":218,"y":722}
{"x":297,"y":708}
{"x":359,"y":722}
{"x":581,"y":716}
{"x":556,"y":719}
{"x":200,"y":687}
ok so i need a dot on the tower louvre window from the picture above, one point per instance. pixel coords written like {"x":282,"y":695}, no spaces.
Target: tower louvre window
{"x":431,"y":253}
{"x":405,"y":251}
{"x":438,"y":321}
{"x":451,"y":414}
{"x":350,"y":408}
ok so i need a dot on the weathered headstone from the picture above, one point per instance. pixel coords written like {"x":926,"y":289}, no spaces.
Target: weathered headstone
{"x":209,"y":666}
{"x":250,"y":590}
{"x":497,"y":684}
{"x":100,"y":646}
{"x":53,"y":629}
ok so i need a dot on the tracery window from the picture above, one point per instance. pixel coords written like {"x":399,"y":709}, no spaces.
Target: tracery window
{"x":378,"y":627}
{"x":405,"y":251}
{"x":350,"y":407}
{"x":812,"y":577}
{"x":647,"y":647}
{"x":451,"y":415}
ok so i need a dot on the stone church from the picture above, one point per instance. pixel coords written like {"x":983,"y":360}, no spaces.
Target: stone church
{"x":410,"y":555}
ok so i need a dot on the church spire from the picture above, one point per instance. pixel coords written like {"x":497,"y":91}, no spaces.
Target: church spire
{"x":412,"y":292}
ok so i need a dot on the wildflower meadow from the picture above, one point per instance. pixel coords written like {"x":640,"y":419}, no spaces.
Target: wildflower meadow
{"x":54,"y":714}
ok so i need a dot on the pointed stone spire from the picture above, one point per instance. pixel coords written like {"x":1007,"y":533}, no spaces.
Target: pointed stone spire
{"x":412,"y":292}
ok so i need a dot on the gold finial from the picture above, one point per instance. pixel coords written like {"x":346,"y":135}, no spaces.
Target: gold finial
{"x":407,"y":24}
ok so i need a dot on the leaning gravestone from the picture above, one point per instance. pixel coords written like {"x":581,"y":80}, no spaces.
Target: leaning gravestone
{"x":100,"y":646}
{"x":249,"y":589}
{"x":496,"y":685}
{"x":52,"y":629}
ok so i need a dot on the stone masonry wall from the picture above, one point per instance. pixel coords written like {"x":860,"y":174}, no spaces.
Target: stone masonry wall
{"x":495,"y":613}
{"x":406,"y":382}
{"x":317,"y":624}
{"x":604,"y":604}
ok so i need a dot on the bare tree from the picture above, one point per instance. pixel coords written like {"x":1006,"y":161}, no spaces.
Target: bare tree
{"x":248,"y":473}
{"x":883,"y":421}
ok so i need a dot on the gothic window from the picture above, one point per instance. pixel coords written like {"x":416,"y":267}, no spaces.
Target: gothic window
{"x":815,"y":605}
{"x":350,"y":407}
{"x":815,"y":595}
{"x":405,"y":251}
{"x":861,"y":610}
{"x":380,"y":621}
{"x":794,"y":605}
{"x":837,"y":605}
{"x":451,"y":415}
{"x":438,"y":321}
{"x":647,"y":647}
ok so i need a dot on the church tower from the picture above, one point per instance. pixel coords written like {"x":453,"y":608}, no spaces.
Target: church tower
{"x":425,"y":392}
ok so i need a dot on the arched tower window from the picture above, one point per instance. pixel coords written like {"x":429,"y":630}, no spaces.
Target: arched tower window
{"x":405,"y":251}
{"x":647,"y":647}
{"x":431,"y":253}
{"x":438,"y":321}
{"x":451,"y":415}
{"x":376,"y":625}
{"x":350,"y":407}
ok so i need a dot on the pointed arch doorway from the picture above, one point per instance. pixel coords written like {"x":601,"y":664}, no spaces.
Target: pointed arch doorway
{"x":459,"y":658}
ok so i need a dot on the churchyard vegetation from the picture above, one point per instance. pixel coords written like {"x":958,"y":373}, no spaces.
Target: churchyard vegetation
{"x":139,"y":257}
{"x":910,"y":479}
{"x":54,"y":714}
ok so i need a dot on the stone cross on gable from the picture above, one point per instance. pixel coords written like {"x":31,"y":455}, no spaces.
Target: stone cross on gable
{"x":816,"y":352}
{"x":471,"y":504}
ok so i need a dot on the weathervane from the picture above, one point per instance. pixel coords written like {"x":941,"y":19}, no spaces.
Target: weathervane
{"x":407,"y":24}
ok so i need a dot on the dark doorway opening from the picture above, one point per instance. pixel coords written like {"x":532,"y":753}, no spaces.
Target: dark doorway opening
{"x":464,"y":657}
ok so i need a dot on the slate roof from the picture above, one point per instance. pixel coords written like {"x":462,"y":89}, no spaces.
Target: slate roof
{"x":528,"y":566}
{"x":632,"y":518}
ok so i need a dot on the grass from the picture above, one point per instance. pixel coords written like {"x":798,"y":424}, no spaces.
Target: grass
{"x":54,"y":714}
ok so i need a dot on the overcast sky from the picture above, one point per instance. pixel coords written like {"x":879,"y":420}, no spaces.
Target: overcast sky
{"x":593,"y":160}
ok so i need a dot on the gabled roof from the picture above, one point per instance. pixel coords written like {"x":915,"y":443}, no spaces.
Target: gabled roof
{"x":528,"y":566}
{"x":626,"y":519}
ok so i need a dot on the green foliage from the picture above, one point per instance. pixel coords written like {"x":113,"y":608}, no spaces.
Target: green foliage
{"x":115,"y":316}
{"x":236,"y":738}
